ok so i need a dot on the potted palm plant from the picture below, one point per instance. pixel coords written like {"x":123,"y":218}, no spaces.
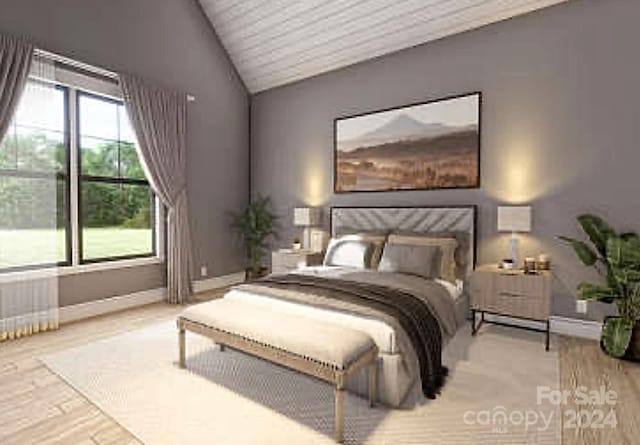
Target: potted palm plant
{"x":255,"y":225}
{"x":617,"y":258}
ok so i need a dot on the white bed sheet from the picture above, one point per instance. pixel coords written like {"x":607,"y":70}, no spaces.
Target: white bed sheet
{"x":382,"y":334}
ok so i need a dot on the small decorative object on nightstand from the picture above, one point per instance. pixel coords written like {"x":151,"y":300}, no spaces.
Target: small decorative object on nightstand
{"x":285,"y":261}
{"x":511,"y":293}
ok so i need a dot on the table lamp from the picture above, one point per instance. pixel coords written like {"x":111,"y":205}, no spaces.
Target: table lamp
{"x":514,"y":219}
{"x":306,"y":217}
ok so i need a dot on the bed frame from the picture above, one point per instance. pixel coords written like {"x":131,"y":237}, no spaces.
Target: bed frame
{"x":418,"y":220}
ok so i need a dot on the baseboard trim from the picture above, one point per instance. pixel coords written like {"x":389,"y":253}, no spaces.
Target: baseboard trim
{"x":575,"y":327}
{"x":572,"y":327}
{"x":121,"y":302}
{"x":218,"y":282}
{"x":89,"y":309}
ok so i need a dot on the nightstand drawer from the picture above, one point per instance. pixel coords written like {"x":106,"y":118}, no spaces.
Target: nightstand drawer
{"x":519,"y":285}
{"x":289,"y":261}
{"x":284,"y":262}
{"x":517,"y":305}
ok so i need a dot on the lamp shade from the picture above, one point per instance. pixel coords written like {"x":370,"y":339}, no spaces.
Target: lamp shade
{"x":306,"y":216}
{"x":514,"y":218}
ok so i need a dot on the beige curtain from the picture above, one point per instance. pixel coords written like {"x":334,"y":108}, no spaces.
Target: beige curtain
{"x":159,"y":120}
{"x":15,"y":62}
{"x":30,"y":305}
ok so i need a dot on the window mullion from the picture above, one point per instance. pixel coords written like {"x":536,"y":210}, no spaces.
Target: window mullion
{"x":74,"y":177}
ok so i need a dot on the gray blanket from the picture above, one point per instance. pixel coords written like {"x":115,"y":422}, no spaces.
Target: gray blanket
{"x":421,"y":310}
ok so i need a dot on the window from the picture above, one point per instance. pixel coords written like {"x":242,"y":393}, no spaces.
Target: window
{"x":72,"y":189}
{"x":34,"y":181}
{"x":116,"y":202}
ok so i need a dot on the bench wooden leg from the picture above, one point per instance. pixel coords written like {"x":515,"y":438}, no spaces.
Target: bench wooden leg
{"x":339,"y":420}
{"x":181,"y":341}
{"x":373,"y":383}
{"x":222,"y":347}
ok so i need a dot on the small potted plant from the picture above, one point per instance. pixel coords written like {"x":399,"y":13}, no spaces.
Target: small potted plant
{"x":616,"y":257}
{"x":255,"y":225}
{"x":297,"y":245}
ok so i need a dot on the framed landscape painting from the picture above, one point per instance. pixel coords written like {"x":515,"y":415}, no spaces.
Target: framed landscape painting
{"x":432,"y":145}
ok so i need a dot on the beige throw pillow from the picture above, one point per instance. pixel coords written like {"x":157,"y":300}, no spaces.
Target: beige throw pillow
{"x":447,"y":245}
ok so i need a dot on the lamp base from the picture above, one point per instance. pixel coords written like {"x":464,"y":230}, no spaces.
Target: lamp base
{"x":306,"y":238}
{"x":513,"y":250}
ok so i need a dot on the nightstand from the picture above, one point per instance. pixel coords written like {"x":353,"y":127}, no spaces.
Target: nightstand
{"x":511,"y":293}
{"x":285,"y":261}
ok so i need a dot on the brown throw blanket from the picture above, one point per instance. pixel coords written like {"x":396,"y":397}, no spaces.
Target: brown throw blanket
{"x":411,"y":312}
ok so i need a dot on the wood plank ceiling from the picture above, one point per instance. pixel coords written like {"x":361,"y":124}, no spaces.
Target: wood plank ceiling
{"x":275,"y":42}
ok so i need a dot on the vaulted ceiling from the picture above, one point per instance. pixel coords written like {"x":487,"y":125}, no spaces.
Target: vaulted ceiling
{"x":275,"y":42}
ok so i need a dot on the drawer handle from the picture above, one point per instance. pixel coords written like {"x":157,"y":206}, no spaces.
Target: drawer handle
{"x":509,"y":294}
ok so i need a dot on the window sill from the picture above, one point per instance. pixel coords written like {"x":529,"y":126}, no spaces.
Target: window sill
{"x":77,"y":269}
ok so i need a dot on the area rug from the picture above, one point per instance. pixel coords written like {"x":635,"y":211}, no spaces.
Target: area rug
{"x":231,"y":398}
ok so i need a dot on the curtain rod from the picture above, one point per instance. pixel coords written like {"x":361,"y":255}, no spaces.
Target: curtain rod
{"x":84,"y":66}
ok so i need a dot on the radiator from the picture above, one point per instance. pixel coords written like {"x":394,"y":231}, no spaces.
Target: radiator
{"x":28,"y":307}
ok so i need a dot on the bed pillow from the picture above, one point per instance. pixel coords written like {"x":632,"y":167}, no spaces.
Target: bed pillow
{"x":447,"y":245}
{"x":377,"y":240}
{"x":462,"y":252}
{"x":423,"y":261}
{"x":349,"y":252}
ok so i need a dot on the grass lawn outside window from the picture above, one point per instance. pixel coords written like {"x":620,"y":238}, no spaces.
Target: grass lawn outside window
{"x":36,"y":246}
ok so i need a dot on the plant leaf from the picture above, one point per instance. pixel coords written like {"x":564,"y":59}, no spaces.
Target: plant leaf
{"x":255,"y":224}
{"x":616,"y":335}
{"x":630,"y":236}
{"x":584,"y":252}
{"x":597,"y":230}
{"x":623,"y":253}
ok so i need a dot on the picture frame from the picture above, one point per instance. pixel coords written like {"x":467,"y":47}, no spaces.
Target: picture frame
{"x":431,"y":145}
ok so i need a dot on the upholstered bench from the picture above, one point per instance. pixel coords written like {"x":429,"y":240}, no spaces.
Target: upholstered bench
{"x":323,"y":350}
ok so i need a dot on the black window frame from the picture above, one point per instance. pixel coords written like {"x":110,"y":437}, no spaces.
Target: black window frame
{"x":65,"y":176}
{"x":107,"y":180}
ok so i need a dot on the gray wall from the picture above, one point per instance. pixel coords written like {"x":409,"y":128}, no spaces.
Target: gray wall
{"x":561,"y":126}
{"x":169,"y":42}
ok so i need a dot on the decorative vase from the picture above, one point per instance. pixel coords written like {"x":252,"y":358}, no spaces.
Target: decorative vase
{"x":297,"y":246}
{"x":633,"y":350}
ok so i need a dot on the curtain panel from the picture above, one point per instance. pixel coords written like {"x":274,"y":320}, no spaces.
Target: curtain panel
{"x":30,"y":305}
{"x":15,"y":62}
{"x":159,"y":120}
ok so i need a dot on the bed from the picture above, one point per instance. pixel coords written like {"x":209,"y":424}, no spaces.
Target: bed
{"x":300,"y":294}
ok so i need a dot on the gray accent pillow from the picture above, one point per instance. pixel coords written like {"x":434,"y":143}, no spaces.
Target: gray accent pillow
{"x":462,"y":252}
{"x":424,"y":261}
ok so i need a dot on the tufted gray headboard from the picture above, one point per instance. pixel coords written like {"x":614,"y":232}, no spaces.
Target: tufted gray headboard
{"x":419,"y":220}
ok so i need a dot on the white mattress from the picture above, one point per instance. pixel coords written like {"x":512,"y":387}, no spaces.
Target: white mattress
{"x":382,"y":334}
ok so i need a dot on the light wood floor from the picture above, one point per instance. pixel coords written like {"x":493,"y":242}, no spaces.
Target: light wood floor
{"x":37,"y":407}
{"x":582,"y":363}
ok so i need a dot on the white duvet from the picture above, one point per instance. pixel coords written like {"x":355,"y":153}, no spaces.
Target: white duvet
{"x":383,"y":334}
